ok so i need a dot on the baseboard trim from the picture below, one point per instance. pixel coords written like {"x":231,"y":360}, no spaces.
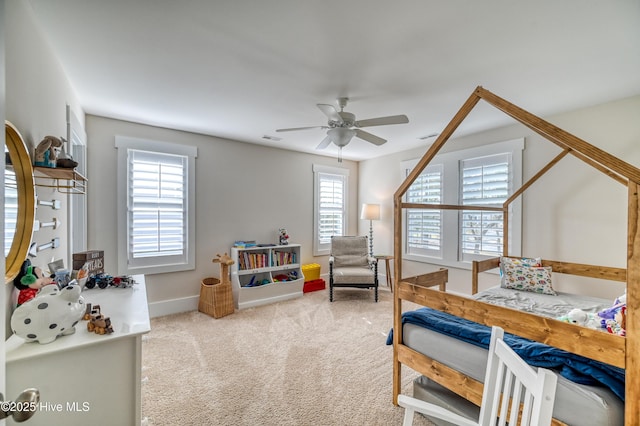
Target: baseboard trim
{"x":173,"y":306}
{"x":186,"y":304}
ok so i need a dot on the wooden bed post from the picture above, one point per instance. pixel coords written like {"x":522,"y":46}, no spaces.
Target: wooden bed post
{"x":632,"y":351}
{"x":462,"y":113}
{"x":397,"y":302}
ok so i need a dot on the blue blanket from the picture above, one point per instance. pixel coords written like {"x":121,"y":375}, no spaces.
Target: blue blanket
{"x":573,"y":367}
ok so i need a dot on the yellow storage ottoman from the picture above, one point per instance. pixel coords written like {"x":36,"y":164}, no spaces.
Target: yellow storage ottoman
{"x":311,"y":271}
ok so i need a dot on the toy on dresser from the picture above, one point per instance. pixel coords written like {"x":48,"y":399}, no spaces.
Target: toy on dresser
{"x":29,"y":281}
{"x":51,"y":313}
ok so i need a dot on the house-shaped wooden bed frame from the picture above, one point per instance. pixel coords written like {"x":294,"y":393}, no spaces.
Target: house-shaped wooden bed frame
{"x":623,"y":352}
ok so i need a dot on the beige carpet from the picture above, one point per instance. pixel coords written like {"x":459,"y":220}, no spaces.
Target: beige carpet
{"x":300,"y":362}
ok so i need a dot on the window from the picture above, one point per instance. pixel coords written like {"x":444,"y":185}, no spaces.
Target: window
{"x":424,"y":226}
{"x":484,"y":176}
{"x":330,"y":206}
{"x":77,"y":213}
{"x":156,"y":206}
{"x":483,"y":182}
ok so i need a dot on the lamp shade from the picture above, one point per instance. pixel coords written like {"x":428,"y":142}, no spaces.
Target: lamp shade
{"x":341,"y":135}
{"x":370,"y":212}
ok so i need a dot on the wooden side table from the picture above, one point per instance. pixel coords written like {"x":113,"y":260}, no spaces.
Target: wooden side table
{"x":387,"y":260}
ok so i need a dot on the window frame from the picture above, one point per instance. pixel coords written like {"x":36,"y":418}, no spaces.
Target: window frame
{"x":154,"y":264}
{"x":77,"y":216}
{"x":451,"y":255}
{"x":320,"y":248}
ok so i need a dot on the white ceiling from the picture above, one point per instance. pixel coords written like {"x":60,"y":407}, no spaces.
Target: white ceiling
{"x":240,"y":69}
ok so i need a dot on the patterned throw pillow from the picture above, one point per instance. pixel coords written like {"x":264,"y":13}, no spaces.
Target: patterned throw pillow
{"x":526,"y":274}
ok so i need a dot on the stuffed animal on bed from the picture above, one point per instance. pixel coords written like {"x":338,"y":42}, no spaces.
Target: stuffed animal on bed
{"x":580,"y":317}
{"x":614,"y":318}
{"x":618,"y":325}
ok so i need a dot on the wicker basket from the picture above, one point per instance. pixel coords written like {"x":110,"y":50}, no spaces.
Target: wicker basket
{"x":216,"y":299}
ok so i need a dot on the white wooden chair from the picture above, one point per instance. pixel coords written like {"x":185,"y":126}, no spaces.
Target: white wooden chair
{"x":507,"y":374}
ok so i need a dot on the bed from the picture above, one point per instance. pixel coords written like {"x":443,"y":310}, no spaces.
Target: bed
{"x":428,"y":353}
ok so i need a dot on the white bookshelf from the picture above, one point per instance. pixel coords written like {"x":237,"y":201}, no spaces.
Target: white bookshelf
{"x":256,"y":271}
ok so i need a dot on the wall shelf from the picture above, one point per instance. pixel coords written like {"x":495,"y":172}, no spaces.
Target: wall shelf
{"x":67,"y":181}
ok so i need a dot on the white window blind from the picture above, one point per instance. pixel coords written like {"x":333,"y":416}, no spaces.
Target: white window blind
{"x":330,"y":206}
{"x":480,"y":176}
{"x":484,"y":182}
{"x":157,"y":204}
{"x":10,"y":208}
{"x":424,"y":226}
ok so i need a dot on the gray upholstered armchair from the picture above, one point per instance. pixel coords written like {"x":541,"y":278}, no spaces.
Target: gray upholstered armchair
{"x":351,"y":266}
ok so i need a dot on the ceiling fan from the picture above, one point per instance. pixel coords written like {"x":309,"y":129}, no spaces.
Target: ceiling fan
{"x":341,"y":126}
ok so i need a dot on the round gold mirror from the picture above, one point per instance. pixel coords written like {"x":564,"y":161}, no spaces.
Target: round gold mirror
{"x":19,"y":201}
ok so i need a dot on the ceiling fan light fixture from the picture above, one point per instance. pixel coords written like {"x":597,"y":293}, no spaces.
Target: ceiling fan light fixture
{"x":341,"y":135}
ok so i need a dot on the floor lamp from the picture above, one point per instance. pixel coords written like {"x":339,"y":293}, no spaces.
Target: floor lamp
{"x":370,"y":212}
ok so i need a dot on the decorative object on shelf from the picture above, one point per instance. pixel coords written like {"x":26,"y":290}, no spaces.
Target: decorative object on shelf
{"x":60,"y":274}
{"x":47,"y":152}
{"x":103,"y":281}
{"x":243,"y":244}
{"x":94,"y":259}
{"x":29,"y":281}
{"x":216,"y":296}
{"x":370,"y":212}
{"x":283,"y":237}
{"x":54,"y":204}
{"x":52,"y":313}
{"x":35,"y":248}
{"x":65,"y":160}
{"x":53,"y":224}
{"x":98,"y":323}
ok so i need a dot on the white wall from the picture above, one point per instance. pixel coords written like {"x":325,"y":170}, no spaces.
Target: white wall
{"x":574,"y":213}
{"x":37,"y":92}
{"x":243,"y":192}
{"x":232,"y":203}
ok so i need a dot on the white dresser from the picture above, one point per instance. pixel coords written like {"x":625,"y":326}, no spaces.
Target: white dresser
{"x":86,"y":378}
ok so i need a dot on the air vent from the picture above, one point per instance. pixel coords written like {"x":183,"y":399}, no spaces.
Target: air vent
{"x":432,"y":135}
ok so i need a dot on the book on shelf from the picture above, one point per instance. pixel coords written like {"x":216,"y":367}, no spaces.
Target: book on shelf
{"x":244,"y":244}
{"x":280,"y":258}
{"x":250,"y":260}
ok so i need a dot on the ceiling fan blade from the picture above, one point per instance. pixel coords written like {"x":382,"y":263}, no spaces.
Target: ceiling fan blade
{"x":382,"y":121}
{"x":325,"y":143}
{"x":376,"y":140}
{"x":293,"y":129}
{"x":331,"y":112}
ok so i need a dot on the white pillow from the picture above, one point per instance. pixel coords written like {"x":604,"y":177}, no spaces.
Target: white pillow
{"x":526,"y":274}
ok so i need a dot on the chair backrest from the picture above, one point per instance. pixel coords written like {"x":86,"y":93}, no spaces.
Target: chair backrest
{"x":510,"y":381}
{"x":349,"y":251}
